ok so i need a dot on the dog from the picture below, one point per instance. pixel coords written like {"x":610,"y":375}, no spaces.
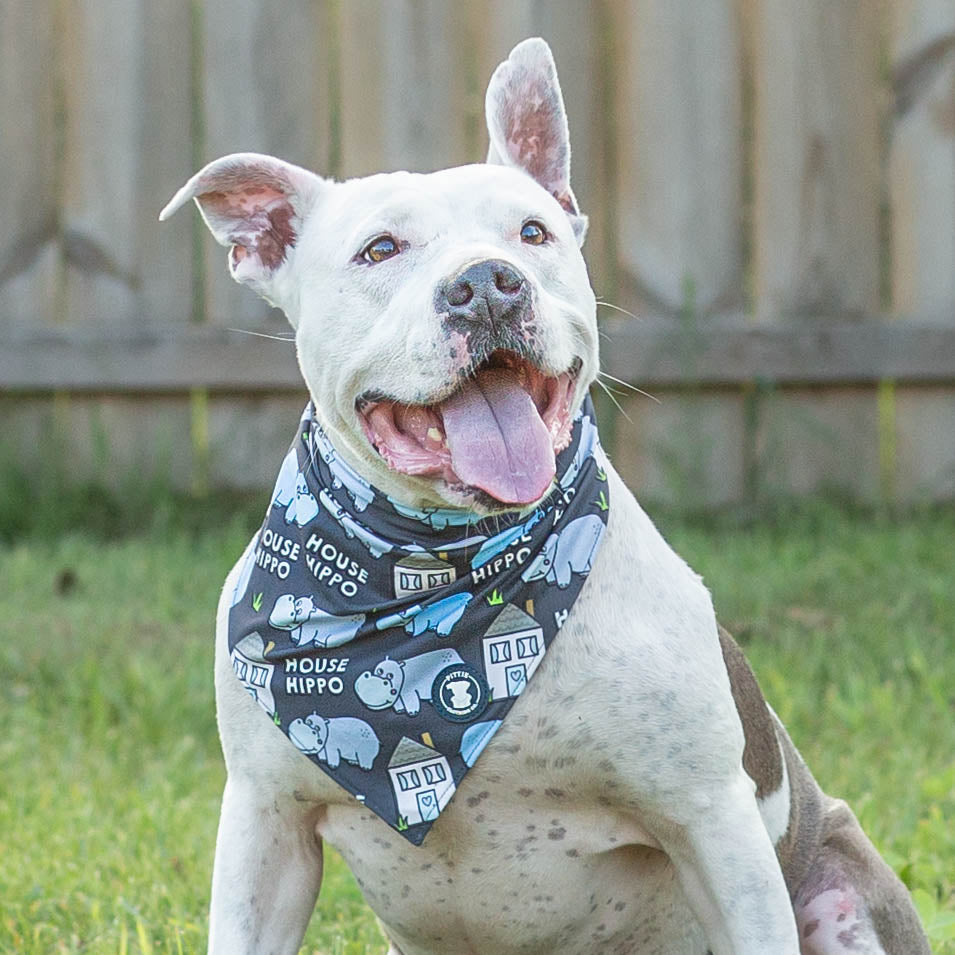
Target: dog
{"x":640,"y":795}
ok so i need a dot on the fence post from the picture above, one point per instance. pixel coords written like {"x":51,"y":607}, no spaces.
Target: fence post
{"x":922,"y":196}
{"x":678,"y":161}
{"x":817,"y":156}
{"x":922,"y":163}
{"x":265,"y":88}
{"x":29,"y":251}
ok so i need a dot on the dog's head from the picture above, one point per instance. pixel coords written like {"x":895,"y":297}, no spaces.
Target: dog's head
{"x":445,"y":323}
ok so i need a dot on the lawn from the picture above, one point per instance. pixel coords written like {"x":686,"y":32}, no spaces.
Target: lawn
{"x":112,"y":773}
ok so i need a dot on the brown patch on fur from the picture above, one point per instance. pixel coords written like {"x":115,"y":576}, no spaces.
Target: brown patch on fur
{"x":762,"y":758}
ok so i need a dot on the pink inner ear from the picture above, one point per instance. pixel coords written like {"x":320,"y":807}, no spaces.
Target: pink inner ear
{"x":257,"y":219}
{"x":534,"y":137}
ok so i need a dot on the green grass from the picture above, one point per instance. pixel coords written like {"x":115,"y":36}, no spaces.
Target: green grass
{"x":111,"y":767}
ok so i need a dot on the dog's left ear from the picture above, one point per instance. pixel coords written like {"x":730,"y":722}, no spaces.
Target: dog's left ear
{"x":255,"y":205}
{"x":528,"y":125}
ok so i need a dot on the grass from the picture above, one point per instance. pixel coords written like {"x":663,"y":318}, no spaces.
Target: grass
{"x":112,"y":773}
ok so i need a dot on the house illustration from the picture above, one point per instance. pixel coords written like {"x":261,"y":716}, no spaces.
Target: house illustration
{"x":418,"y":573}
{"x":421,"y":780}
{"x":249,"y":663}
{"x":513,"y":648}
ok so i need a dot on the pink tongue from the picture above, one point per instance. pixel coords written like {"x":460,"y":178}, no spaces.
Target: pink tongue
{"x":497,"y":439}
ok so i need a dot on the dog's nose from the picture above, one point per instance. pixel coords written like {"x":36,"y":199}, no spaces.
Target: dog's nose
{"x":487,"y":291}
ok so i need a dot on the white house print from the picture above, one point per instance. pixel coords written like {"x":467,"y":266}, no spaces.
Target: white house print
{"x":513,"y":648}
{"x":419,"y":573}
{"x":421,"y":780}
{"x":254,"y":672}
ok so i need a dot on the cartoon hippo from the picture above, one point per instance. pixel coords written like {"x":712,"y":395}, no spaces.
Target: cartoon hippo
{"x":309,"y":624}
{"x":403,"y":684}
{"x":435,"y":517}
{"x":589,"y":446}
{"x":333,"y":740}
{"x":359,"y":490}
{"x":439,"y":616}
{"x":567,"y":552}
{"x":376,"y":545}
{"x":284,"y":492}
{"x":303,"y":507}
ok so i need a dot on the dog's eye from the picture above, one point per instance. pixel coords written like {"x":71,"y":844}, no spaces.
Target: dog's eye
{"x":384,"y":247}
{"x":533,"y":233}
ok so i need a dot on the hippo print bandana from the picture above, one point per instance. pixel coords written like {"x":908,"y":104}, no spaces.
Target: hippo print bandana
{"x":389,"y":643}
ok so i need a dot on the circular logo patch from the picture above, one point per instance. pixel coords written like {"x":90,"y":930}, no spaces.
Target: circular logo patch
{"x":459,"y":693}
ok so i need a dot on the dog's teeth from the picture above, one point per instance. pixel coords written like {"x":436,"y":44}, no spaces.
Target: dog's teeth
{"x":435,"y":435}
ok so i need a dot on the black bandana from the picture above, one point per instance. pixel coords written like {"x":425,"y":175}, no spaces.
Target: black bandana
{"x":389,"y":643}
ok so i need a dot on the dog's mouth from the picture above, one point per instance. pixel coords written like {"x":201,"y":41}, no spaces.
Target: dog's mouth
{"x":499,"y":432}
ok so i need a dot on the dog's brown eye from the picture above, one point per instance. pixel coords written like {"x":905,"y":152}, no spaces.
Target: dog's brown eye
{"x":533,"y":233}
{"x":384,"y":247}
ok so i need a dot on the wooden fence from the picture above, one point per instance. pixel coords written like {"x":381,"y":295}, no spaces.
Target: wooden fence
{"x":771,"y":186}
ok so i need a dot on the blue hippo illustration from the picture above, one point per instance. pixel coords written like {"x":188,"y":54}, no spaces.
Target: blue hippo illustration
{"x":304,"y":507}
{"x":500,"y":542}
{"x":284,"y":492}
{"x":439,"y":615}
{"x":437,"y":518}
{"x":309,"y":624}
{"x":333,"y":740}
{"x":343,"y":474}
{"x":475,"y":738}
{"x":567,"y":552}
{"x":403,"y":684}
{"x":588,"y":447}
{"x":375,"y":545}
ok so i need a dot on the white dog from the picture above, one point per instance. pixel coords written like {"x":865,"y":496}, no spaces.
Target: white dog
{"x":640,"y":796}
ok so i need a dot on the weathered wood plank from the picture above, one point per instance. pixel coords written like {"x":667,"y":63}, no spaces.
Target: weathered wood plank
{"x":678,"y":143}
{"x":165,"y":254}
{"x":649,"y":354}
{"x":684,"y":451}
{"x":28,"y":246}
{"x":103,"y":51}
{"x":817,"y":172}
{"x":922,"y":158}
{"x":265,"y":88}
{"x":925,"y":443}
{"x":407,"y":74}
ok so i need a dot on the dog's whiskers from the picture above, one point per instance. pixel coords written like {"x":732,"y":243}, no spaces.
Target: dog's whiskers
{"x":616,"y":308}
{"x":626,"y":384}
{"x":275,"y":338}
{"x":613,"y":398}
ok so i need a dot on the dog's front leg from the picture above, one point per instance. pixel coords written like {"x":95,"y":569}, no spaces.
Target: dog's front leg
{"x":728,"y":869}
{"x":268,"y":870}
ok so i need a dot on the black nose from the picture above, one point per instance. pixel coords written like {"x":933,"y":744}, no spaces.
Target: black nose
{"x":490,"y":291}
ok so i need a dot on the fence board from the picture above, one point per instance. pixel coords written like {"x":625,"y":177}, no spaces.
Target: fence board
{"x":817,"y":173}
{"x":406,"y":74}
{"x":922,"y":167}
{"x":165,"y":253}
{"x":265,"y":88}
{"x":682,"y":450}
{"x":28,"y":248}
{"x":715,"y":353}
{"x":104,"y":94}
{"x":678,"y":112}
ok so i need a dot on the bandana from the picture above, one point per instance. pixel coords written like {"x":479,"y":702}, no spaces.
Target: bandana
{"x":389,"y":643}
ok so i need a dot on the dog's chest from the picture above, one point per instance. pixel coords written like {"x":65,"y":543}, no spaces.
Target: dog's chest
{"x":533,"y":850}
{"x":539,"y":846}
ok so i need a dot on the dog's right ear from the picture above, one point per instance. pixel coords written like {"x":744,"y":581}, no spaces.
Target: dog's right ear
{"x":255,"y":205}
